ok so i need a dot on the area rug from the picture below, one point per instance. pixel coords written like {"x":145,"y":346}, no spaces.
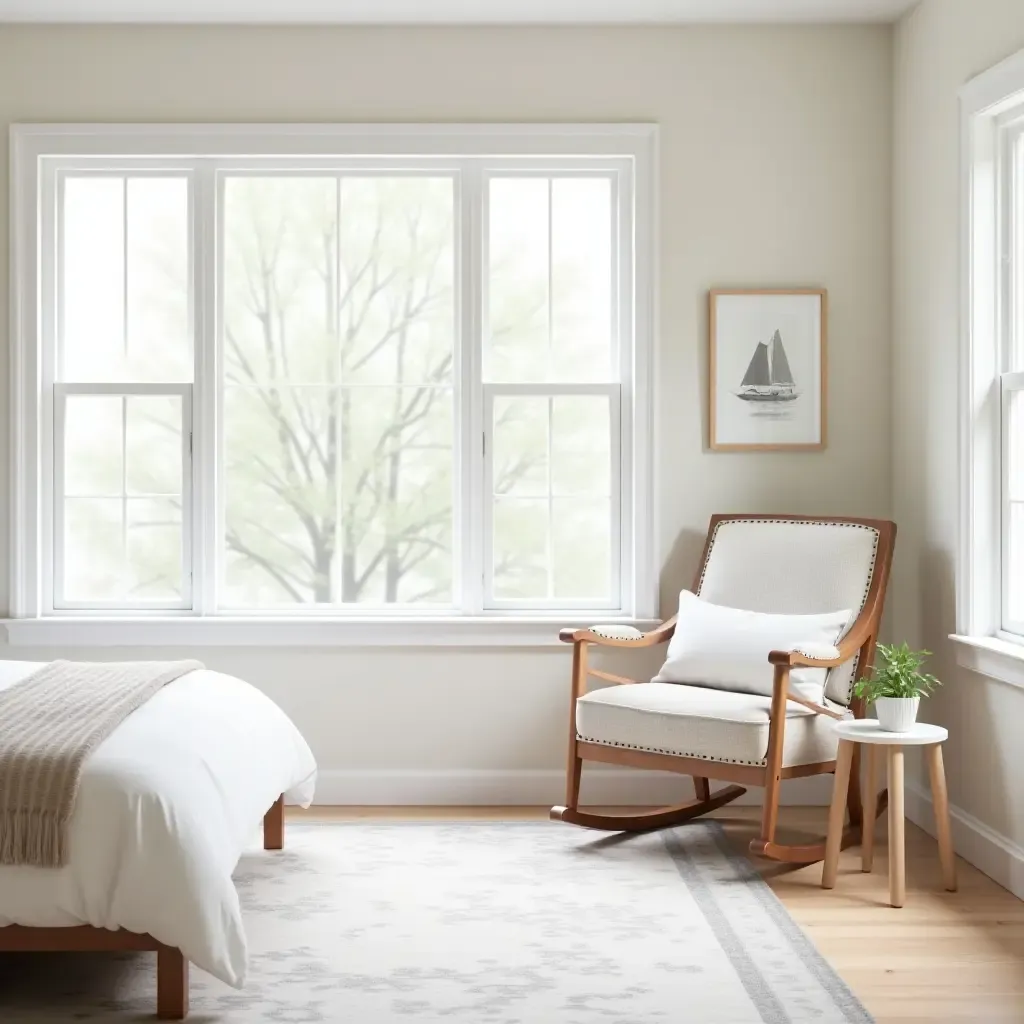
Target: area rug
{"x":479,"y":923}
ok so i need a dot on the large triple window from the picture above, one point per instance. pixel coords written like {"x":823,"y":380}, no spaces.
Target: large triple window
{"x":338,"y":382}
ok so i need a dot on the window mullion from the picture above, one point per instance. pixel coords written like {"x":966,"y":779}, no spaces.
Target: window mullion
{"x":337,"y":576}
{"x":206,"y":514}
{"x":621,"y":505}
{"x":469,"y":532}
{"x":634,"y":430}
{"x":1011,"y":386}
{"x":124,"y":474}
{"x":55,"y":573}
{"x":48,"y":358}
{"x":485,"y":563}
{"x":1014,"y":266}
{"x":188,"y":520}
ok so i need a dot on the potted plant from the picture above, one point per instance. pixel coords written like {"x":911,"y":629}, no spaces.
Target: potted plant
{"x":897,"y":685}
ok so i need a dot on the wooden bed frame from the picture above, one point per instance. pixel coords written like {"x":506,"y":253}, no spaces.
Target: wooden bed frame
{"x":171,"y":965}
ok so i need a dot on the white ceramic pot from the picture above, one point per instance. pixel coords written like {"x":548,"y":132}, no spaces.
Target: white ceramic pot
{"x":897,"y":714}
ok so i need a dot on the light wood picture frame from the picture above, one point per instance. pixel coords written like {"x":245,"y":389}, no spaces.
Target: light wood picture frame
{"x":768,"y":369}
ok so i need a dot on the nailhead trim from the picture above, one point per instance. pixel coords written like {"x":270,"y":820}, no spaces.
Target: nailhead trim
{"x":611,"y":636}
{"x":674,"y":753}
{"x":810,"y":654}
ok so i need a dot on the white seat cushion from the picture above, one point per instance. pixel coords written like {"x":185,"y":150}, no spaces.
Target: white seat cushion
{"x":695,"y":721}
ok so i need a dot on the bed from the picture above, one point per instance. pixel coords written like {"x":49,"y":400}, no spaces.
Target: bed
{"x":165,"y":807}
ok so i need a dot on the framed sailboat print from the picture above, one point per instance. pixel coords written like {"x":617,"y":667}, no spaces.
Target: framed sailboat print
{"x":768,"y":369}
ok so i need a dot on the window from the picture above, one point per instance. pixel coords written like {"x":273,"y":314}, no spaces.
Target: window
{"x":991,"y":564}
{"x":316,"y":382}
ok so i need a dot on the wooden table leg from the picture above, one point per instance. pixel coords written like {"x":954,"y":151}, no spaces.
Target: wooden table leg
{"x":940,"y":804}
{"x":171,"y":984}
{"x":897,"y":865}
{"x":867,"y":832}
{"x":837,"y":814}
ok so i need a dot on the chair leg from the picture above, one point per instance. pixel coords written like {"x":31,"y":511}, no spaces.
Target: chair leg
{"x":773,"y":768}
{"x":770,"y":808}
{"x":574,"y":763}
{"x":573,"y":776}
{"x":701,"y":787}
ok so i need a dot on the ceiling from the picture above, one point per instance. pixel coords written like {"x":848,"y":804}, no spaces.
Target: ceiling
{"x":468,"y":12}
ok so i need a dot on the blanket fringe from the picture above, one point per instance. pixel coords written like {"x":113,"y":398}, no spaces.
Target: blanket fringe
{"x":36,"y":838}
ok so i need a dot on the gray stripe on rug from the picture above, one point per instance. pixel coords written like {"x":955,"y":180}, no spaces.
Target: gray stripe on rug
{"x":819,"y":968}
{"x":761,"y":995}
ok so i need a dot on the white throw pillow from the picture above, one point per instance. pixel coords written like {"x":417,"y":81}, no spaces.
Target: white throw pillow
{"x":727,"y":648}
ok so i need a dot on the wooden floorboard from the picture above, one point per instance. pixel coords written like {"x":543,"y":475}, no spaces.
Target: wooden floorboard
{"x":944,"y":957}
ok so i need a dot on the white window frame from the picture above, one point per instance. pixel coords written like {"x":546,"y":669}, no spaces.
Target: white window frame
{"x":992,"y":284}
{"x":38,"y":150}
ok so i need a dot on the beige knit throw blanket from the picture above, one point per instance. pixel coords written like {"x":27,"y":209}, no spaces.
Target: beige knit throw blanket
{"x":49,"y":724}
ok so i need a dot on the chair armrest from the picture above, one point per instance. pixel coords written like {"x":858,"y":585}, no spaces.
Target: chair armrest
{"x":818,"y":654}
{"x":618,"y":636}
{"x":824,"y":656}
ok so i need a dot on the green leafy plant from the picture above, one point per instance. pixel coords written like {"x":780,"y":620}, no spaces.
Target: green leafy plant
{"x":898,"y":674}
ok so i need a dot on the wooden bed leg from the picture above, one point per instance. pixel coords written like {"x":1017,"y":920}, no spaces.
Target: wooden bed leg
{"x":171,"y":984}
{"x":273,"y":826}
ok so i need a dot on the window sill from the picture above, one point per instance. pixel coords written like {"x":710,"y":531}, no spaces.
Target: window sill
{"x":990,"y":656}
{"x":447,"y":631}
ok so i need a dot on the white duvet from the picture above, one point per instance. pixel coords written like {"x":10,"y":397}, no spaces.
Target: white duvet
{"x":166,"y":805}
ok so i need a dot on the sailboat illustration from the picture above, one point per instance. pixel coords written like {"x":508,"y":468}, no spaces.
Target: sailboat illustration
{"x":768,"y":377}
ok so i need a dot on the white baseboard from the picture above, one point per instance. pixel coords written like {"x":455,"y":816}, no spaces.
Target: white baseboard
{"x":989,"y":851}
{"x":626,"y":787}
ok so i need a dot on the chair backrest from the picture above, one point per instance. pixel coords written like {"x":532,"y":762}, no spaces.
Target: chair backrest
{"x":795,"y":565}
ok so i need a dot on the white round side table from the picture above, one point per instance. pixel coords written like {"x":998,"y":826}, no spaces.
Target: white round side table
{"x":868,"y":732}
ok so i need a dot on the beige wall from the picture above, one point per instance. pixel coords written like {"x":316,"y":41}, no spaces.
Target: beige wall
{"x":775,"y":169}
{"x":938,"y":48}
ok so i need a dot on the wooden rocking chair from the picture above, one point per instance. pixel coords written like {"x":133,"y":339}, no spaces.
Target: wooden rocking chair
{"x":785,"y":564}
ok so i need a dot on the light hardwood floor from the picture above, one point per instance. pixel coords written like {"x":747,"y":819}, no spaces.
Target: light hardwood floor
{"x":942,"y":957}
